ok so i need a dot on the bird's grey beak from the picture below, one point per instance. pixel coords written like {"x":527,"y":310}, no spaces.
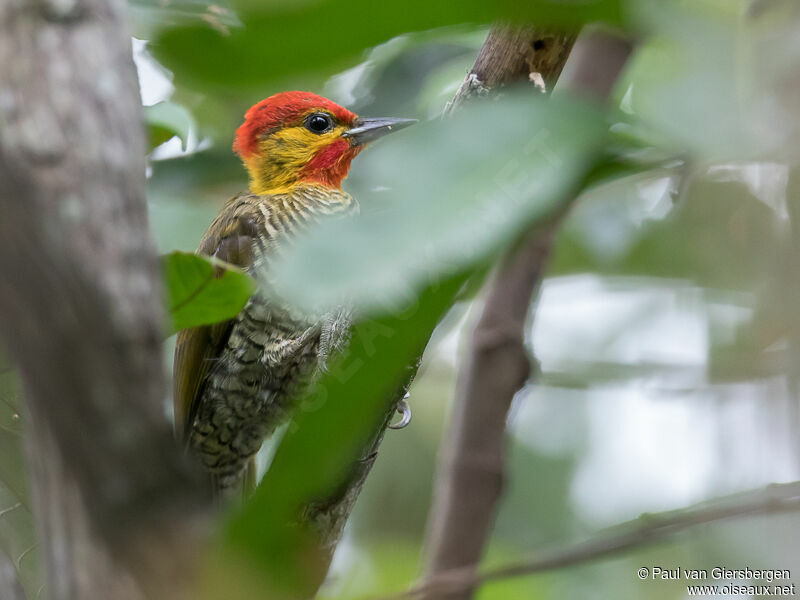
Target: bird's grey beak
{"x":367,"y":130}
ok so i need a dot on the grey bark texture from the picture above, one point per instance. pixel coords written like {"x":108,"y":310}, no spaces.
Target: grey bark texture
{"x":471,"y":470}
{"x":513,"y":54}
{"x":80,"y":302}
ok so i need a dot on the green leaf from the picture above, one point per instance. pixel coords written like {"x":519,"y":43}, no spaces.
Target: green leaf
{"x":328,"y":434}
{"x":461,"y":189}
{"x":281,"y":39}
{"x":166,"y":120}
{"x":202,"y":291}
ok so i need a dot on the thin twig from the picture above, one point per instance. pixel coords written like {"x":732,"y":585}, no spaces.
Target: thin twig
{"x":647,"y":529}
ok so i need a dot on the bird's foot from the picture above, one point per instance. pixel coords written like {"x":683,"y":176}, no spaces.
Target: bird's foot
{"x":404,"y":409}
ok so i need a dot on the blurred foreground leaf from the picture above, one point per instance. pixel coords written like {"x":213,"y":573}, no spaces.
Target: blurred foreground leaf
{"x":716,"y":83}
{"x":328,"y":434}
{"x":719,"y":236}
{"x":166,"y":120}
{"x":199,"y":293}
{"x":462,"y":188}
{"x":281,"y":39}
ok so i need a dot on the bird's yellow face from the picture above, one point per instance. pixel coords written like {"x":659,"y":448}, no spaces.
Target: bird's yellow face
{"x":298,"y":138}
{"x":312,"y":150}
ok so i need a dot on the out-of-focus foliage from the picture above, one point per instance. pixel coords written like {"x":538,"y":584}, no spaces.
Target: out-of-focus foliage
{"x":274,"y":38}
{"x":499,"y":166}
{"x":715,"y":221}
{"x":202,"y":291}
{"x":166,"y":120}
{"x":17,"y":535}
{"x":700,"y":83}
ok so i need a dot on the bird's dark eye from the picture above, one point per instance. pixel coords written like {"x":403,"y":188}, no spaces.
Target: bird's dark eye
{"x":319,"y":123}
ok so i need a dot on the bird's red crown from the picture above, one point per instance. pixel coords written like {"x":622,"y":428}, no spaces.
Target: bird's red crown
{"x":281,"y":110}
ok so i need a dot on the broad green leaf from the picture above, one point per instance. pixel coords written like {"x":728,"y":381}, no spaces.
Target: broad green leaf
{"x":327,"y":435}
{"x":281,"y":39}
{"x":166,"y":120}
{"x":459,"y":189}
{"x":201,"y":291}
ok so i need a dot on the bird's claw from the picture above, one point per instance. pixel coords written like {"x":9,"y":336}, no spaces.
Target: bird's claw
{"x":404,"y":409}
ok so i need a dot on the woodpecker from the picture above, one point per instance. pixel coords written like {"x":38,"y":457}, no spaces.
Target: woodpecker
{"x":235,"y":382}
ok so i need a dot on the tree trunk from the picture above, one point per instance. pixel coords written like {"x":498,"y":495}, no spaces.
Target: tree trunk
{"x":80,"y":303}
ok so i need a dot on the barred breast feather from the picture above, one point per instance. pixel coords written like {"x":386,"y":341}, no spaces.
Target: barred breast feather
{"x":235,"y":381}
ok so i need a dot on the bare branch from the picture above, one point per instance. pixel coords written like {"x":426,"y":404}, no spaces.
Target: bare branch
{"x":471,"y":470}
{"x":647,"y":529}
{"x":512,"y":54}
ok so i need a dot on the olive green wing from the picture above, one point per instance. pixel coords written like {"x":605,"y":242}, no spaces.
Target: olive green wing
{"x":229,"y":238}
